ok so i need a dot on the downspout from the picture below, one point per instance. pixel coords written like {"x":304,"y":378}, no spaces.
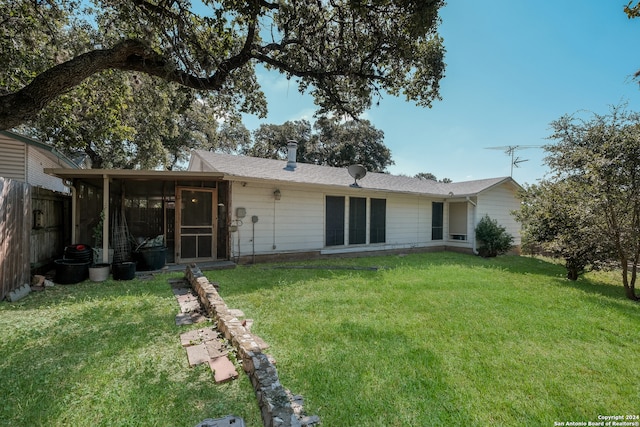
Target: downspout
{"x":69,"y":184}
{"x":475,"y":209}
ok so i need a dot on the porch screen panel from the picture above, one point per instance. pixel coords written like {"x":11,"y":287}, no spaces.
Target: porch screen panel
{"x":189,"y":245}
{"x":334,"y":221}
{"x":205,"y":245}
{"x":377,"y":228}
{"x":196,"y":228}
{"x":357,"y":220}
{"x":437,"y":220}
{"x":197,"y":210}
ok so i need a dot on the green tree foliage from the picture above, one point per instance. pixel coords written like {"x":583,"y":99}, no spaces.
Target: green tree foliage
{"x":557,"y":220}
{"x":432,"y":177}
{"x":427,"y":176}
{"x":493,"y":237}
{"x":591,"y":203}
{"x":329,"y":142}
{"x":270,"y":140}
{"x":132,"y":121}
{"x":345,"y":53}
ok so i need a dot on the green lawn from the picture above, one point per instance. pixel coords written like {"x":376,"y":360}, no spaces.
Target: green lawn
{"x":445,"y":339}
{"x":429,"y":339}
{"x":107,"y":354}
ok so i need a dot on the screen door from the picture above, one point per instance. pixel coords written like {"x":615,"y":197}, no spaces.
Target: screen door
{"x":197,"y":225}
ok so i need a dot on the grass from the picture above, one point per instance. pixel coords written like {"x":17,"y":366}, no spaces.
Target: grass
{"x":107,"y":354}
{"x":445,"y":339}
{"x":425,"y":340}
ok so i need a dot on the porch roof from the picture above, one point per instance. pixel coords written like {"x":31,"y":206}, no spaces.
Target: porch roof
{"x":134,"y":174}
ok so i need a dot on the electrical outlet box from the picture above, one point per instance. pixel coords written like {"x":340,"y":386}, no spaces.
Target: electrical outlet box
{"x":241,"y":212}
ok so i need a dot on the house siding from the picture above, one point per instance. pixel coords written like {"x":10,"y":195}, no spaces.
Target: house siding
{"x":12,"y":159}
{"x":498,"y":203}
{"x":294,"y":223}
{"x":36,"y":163}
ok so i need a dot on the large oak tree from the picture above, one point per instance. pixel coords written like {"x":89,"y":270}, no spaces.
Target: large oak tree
{"x":329,"y":142}
{"x":346,"y":53}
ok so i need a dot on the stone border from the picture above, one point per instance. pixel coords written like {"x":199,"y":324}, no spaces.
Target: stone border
{"x":278,"y":407}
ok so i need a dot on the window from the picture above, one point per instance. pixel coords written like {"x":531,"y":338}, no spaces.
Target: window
{"x":377,"y":228}
{"x":359,"y":234}
{"x":334,"y":222}
{"x":357,"y":220}
{"x":437,"y":223}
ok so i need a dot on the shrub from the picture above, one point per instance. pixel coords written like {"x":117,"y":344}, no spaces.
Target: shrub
{"x":493,"y":238}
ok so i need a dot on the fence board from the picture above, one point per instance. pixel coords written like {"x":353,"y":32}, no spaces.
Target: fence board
{"x":15,"y":228}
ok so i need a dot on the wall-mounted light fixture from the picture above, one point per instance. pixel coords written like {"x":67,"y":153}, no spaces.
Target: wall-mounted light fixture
{"x":277,"y":194}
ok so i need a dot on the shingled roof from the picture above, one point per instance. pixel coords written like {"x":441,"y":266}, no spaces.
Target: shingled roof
{"x":236,"y":167}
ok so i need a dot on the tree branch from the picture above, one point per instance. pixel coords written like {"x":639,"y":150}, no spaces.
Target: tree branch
{"x":128,"y":55}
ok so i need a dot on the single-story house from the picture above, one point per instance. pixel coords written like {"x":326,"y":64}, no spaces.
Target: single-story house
{"x":230,"y":207}
{"x":279,"y":207}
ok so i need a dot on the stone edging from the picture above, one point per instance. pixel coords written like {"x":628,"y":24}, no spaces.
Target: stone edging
{"x":278,"y":407}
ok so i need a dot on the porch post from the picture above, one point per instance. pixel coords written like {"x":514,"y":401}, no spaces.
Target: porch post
{"x":105,"y":223}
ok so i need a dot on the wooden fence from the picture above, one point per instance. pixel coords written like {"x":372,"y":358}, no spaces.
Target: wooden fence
{"x":15,"y":234}
{"x":53,"y":232}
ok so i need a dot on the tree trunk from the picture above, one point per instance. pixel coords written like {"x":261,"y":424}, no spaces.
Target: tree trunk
{"x":572,"y":274}
{"x":630,"y":286}
{"x":631,"y":293}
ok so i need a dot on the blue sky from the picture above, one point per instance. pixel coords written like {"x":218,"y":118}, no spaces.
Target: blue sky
{"x":512,"y":68}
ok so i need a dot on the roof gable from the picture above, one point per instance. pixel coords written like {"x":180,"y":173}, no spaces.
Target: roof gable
{"x":236,"y":167}
{"x":44,"y":148}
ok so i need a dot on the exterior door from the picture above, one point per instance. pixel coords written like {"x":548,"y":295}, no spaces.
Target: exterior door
{"x":196,"y":233}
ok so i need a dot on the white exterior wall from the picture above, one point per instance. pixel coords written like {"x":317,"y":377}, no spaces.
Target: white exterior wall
{"x":37,"y":161}
{"x":293,"y":223}
{"x":498,"y":203}
{"x":296,"y":222}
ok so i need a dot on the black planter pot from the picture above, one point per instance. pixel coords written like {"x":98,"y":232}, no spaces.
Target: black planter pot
{"x":123,"y":270}
{"x":153,"y":258}
{"x":69,"y":271}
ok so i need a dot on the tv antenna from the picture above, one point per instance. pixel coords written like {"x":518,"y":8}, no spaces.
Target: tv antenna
{"x":357,"y":172}
{"x":510,"y":150}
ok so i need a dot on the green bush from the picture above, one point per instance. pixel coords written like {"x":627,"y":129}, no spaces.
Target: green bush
{"x":493,"y":237}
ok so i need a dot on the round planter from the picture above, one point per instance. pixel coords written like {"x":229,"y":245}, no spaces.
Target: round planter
{"x":70,"y":271}
{"x":153,"y":258}
{"x":124,"y":270}
{"x":99,"y":272}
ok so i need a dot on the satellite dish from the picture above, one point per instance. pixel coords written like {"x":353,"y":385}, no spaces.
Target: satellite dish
{"x":357,"y":172}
